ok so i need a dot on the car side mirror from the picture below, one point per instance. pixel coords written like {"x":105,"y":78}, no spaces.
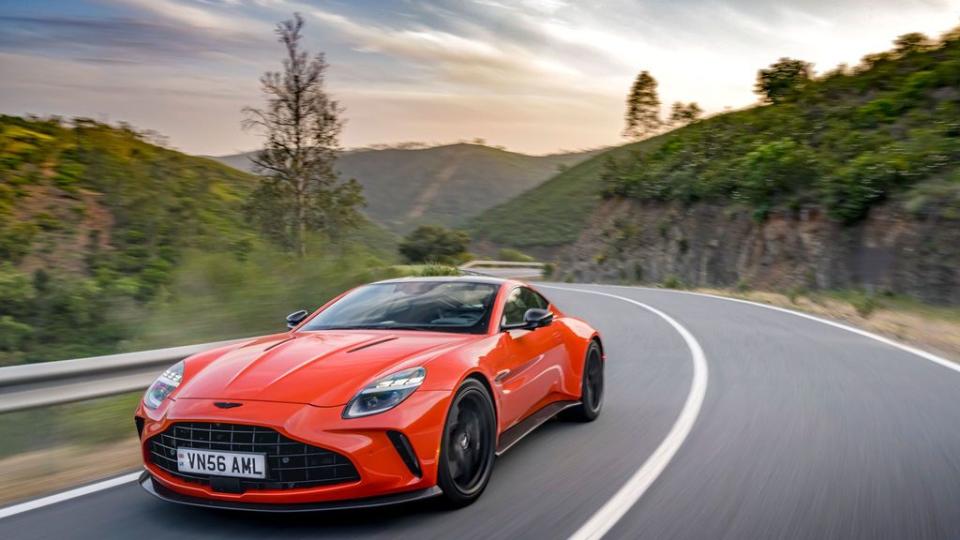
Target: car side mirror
{"x":296,"y":318}
{"x":537,"y":318}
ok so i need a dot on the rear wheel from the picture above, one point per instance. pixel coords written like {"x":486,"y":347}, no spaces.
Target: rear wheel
{"x":468,"y":445}
{"x":591,"y":389}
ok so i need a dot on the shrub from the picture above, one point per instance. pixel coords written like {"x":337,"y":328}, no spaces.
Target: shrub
{"x":513,"y":255}
{"x":672,"y":282}
{"x":864,"y":303}
{"x":437,"y":270}
{"x":434,"y":244}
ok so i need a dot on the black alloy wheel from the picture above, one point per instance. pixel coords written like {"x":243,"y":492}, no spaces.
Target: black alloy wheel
{"x":591,"y":390}
{"x":468,"y":447}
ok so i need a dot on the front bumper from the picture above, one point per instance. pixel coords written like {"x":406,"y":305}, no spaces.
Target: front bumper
{"x":157,"y":490}
{"x":385,"y":478}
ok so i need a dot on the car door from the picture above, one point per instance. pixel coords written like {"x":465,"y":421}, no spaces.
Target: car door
{"x":531,"y":366}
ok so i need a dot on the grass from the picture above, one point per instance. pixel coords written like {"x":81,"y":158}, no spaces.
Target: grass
{"x":934,"y":328}
{"x":86,"y":424}
{"x":556,"y":211}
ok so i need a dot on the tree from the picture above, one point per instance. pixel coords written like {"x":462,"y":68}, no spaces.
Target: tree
{"x":299,"y":190}
{"x":643,"y":107}
{"x":681,"y":114}
{"x":431,"y":243}
{"x":911,"y":43}
{"x":783,"y":80}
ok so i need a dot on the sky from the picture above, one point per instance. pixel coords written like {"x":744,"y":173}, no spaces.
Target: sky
{"x":536,"y":76}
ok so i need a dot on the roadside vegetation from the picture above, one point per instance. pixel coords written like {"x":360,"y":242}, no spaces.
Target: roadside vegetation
{"x":887,"y":130}
{"x":109,"y":241}
{"x":844,"y":141}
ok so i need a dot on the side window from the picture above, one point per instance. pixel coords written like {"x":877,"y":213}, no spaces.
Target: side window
{"x":520,"y":300}
{"x":514,"y":308}
{"x":534,"y":300}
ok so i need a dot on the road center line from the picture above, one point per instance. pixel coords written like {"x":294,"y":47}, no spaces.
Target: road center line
{"x":67,"y":495}
{"x":617,"y":506}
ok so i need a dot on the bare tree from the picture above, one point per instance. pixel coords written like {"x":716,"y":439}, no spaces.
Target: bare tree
{"x":300,"y":190}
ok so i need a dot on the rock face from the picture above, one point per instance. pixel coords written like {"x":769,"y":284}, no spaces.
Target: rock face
{"x":711,"y":245}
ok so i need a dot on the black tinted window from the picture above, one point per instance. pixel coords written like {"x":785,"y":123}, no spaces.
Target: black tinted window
{"x":520,"y":300}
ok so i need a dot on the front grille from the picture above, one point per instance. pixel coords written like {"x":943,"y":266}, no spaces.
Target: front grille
{"x":290,"y":464}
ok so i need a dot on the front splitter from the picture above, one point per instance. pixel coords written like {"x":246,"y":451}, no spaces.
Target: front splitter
{"x":157,"y":490}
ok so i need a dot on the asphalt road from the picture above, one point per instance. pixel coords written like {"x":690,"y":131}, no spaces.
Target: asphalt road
{"x":805,"y":431}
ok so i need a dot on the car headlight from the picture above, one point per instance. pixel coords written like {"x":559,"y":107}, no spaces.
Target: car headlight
{"x":165,"y":384}
{"x":385,"y":393}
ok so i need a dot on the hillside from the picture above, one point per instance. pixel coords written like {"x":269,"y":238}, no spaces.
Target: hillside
{"x":852,"y":183}
{"x":555,"y":212}
{"x":102,"y":232}
{"x":850,"y":140}
{"x":441,"y":185}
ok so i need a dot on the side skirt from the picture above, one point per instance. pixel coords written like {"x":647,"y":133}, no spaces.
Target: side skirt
{"x":513,"y":435}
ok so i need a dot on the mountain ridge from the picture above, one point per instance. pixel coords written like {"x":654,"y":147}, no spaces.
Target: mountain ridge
{"x":446,"y":184}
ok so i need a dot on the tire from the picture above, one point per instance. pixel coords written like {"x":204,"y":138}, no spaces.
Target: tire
{"x":468,"y":446}
{"x":591,"y":388}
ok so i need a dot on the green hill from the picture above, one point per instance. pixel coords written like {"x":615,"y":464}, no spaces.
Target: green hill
{"x":441,"y":185}
{"x":845,"y":142}
{"x":556,"y":211}
{"x":103,"y":234}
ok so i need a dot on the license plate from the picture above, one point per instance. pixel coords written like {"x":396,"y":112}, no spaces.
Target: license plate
{"x":242,"y":465}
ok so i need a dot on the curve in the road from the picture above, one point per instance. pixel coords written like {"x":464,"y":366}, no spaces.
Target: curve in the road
{"x":859,"y":331}
{"x":615,"y":508}
{"x":808,"y":430}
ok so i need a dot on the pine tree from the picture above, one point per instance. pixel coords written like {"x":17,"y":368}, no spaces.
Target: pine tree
{"x":299,"y":190}
{"x":643,"y":107}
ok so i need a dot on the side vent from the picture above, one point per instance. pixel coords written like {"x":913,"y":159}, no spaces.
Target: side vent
{"x":405,"y":449}
{"x":139,"y":422}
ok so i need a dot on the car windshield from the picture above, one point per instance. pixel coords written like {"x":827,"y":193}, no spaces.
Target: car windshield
{"x":446,"y":306}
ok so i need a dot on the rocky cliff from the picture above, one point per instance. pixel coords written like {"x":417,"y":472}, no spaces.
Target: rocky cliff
{"x":711,"y":245}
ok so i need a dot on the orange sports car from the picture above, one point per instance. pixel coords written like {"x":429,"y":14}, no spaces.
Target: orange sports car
{"x":394,"y":391}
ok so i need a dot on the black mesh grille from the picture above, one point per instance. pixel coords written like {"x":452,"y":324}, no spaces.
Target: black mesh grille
{"x":290,"y":464}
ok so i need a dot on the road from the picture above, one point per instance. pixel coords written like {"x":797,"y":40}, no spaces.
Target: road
{"x":805,"y":430}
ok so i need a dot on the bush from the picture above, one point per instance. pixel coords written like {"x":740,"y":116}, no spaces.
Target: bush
{"x":434,"y":244}
{"x":513,"y":255}
{"x":864,"y":303}
{"x":431,"y":270}
{"x":672,"y":282}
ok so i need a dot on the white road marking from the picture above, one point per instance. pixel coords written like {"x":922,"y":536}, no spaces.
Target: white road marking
{"x":885,"y":340}
{"x":67,"y":495}
{"x":610,"y":513}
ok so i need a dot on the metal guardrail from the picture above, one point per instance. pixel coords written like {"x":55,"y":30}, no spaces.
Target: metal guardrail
{"x":504,"y":269}
{"x":51,"y":383}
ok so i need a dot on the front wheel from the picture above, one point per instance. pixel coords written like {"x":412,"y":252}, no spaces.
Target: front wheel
{"x":468,"y":445}
{"x":591,"y":389}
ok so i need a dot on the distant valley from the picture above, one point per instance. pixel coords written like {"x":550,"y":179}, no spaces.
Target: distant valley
{"x":446,"y":185}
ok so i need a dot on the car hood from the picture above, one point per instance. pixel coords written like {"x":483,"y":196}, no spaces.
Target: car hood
{"x":320,"y":368}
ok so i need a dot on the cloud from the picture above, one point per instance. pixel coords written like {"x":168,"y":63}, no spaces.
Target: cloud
{"x":453,"y":57}
{"x":190,"y":15}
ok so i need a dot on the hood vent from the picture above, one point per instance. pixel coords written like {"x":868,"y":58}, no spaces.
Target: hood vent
{"x":372,"y":344}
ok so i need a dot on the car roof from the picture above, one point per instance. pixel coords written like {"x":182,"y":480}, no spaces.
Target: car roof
{"x":461,"y":279}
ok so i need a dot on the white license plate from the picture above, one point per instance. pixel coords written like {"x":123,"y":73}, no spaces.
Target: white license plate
{"x":242,"y":465}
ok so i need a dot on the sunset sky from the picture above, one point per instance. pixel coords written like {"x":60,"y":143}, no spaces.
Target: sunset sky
{"x":536,"y":76}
